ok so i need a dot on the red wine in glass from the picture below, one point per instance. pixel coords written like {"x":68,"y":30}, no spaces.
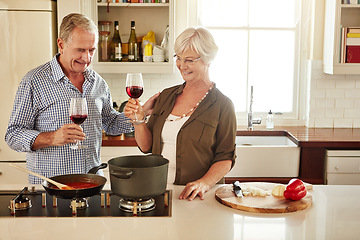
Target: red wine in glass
{"x":134,"y":91}
{"x":78,"y":113}
{"x":135,"y":88}
{"x":78,"y":119}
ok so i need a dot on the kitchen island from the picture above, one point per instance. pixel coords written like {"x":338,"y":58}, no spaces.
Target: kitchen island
{"x":334,"y":214}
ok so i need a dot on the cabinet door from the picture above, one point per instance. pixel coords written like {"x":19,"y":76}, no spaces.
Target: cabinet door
{"x":25,"y":43}
{"x":148,"y":17}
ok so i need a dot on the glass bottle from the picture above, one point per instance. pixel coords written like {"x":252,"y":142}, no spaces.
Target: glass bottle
{"x":270,"y":121}
{"x":133,"y":55}
{"x":116,"y":55}
{"x":104,"y":42}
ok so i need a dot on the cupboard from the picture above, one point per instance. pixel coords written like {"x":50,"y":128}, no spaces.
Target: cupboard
{"x":148,"y":17}
{"x":337,"y":16}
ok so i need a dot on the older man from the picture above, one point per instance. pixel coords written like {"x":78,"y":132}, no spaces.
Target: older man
{"x":40,"y":124}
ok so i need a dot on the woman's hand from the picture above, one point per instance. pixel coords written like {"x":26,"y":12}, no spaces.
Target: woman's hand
{"x":133,"y":107}
{"x":193,"y":189}
{"x":202,"y":185}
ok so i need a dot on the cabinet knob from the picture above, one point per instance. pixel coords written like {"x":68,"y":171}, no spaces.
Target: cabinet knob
{"x":336,"y":168}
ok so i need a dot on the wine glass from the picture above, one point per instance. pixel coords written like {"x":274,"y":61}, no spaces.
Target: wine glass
{"x":78,"y":113}
{"x":135,"y":88}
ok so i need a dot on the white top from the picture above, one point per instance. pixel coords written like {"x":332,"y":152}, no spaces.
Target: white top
{"x":169,"y":135}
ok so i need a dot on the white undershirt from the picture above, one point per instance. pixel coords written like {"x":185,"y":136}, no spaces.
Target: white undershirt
{"x":169,"y":136}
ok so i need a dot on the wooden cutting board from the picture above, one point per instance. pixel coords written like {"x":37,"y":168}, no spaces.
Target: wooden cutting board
{"x":268,"y":204}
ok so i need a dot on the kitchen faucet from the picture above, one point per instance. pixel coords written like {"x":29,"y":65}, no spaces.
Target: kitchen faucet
{"x":252,"y":120}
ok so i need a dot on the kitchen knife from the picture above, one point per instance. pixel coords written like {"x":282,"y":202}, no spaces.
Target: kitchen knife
{"x":237,"y":189}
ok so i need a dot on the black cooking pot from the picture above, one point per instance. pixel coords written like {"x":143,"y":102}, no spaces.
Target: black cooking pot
{"x":90,"y":177}
{"x":138,"y":176}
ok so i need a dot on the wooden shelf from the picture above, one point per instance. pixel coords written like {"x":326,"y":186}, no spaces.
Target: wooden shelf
{"x":133,"y":67}
{"x":135,"y":4}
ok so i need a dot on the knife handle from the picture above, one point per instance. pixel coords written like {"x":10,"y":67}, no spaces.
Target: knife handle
{"x":236,"y":184}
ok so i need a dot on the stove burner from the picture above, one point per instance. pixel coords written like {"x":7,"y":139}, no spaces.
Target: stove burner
{"x":137,"y":205}
{"x":20,"y":202}
{"x":79,"y":203}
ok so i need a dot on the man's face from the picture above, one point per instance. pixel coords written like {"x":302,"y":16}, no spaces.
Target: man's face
{"x":78,"y":52}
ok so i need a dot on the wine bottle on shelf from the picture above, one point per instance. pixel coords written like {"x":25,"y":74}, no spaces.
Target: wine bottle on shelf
{"x":116,"y":55}
{"x":133,"y":55}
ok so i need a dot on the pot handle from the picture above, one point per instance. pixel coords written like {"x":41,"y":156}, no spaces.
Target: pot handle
{"x":122,"y":174}
{"x":95,"y":169}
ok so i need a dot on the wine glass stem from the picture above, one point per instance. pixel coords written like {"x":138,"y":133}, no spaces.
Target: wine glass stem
{"x":136,"y":119}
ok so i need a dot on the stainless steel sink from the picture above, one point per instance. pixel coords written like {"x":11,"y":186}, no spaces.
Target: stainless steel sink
{"x":266,"y":156}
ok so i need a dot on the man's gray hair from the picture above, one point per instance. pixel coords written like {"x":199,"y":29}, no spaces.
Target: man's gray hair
{"x":73,"y":20}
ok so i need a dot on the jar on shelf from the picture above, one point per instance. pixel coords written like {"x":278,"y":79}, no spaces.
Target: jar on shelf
{"x":104,"y":42}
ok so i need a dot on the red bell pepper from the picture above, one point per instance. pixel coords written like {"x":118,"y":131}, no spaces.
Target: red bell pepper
{"x":295,"y":190}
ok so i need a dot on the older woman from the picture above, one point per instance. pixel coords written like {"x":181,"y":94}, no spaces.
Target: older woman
{"x":192,"y":124}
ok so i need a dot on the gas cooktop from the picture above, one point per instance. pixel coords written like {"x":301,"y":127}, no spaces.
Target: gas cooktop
{"x":31,"y":203}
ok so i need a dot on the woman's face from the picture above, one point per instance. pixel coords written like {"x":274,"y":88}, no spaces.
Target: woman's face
{"x":191,"y":67}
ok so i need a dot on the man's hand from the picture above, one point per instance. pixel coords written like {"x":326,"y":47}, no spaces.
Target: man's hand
{"x":149,"y":105}
{"x":68,"y":133}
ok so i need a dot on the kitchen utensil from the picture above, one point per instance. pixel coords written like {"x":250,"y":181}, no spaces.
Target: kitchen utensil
{"x":59,"y":185}
{"x":237,"y":189}
{"x":268,"y":204}
{"x":90,"y":177}
{"x":138,"y":176}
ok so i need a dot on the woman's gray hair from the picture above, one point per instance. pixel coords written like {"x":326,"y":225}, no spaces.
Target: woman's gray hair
{"x":199,"y":40}
{"x":74,"y":20}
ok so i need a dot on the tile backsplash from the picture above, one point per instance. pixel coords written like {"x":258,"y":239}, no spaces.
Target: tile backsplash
{"x":334,"y":99}
{"x":153,"y":83}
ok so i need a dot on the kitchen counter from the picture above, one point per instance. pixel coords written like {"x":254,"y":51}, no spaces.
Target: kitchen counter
{"x":334,"y":214}
{"x":303,"y":136}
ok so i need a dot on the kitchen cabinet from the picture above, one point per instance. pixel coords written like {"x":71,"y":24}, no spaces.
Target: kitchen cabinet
{"x":148,"y":17}
{"x":343,"y":167}
{"x":338,"y":15}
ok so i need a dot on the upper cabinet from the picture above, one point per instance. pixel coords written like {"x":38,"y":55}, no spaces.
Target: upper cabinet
{"x":148,"y":17}
{"x":339,"y":18}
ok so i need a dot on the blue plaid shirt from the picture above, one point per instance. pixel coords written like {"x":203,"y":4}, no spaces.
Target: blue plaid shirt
{"x":42,"y":105}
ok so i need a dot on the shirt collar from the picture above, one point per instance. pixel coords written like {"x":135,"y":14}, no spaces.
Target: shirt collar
{"x":59,"y":74}
{"x":181,"y":88}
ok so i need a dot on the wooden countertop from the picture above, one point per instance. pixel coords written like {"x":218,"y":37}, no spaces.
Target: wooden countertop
{"x":303,"y":136}
{"x":116,"y":141}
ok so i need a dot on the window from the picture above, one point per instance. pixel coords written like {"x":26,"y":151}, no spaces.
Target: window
{"x":258,"y":46}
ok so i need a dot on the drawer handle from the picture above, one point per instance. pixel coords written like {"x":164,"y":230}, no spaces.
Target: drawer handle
{"x":336,"y":168}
